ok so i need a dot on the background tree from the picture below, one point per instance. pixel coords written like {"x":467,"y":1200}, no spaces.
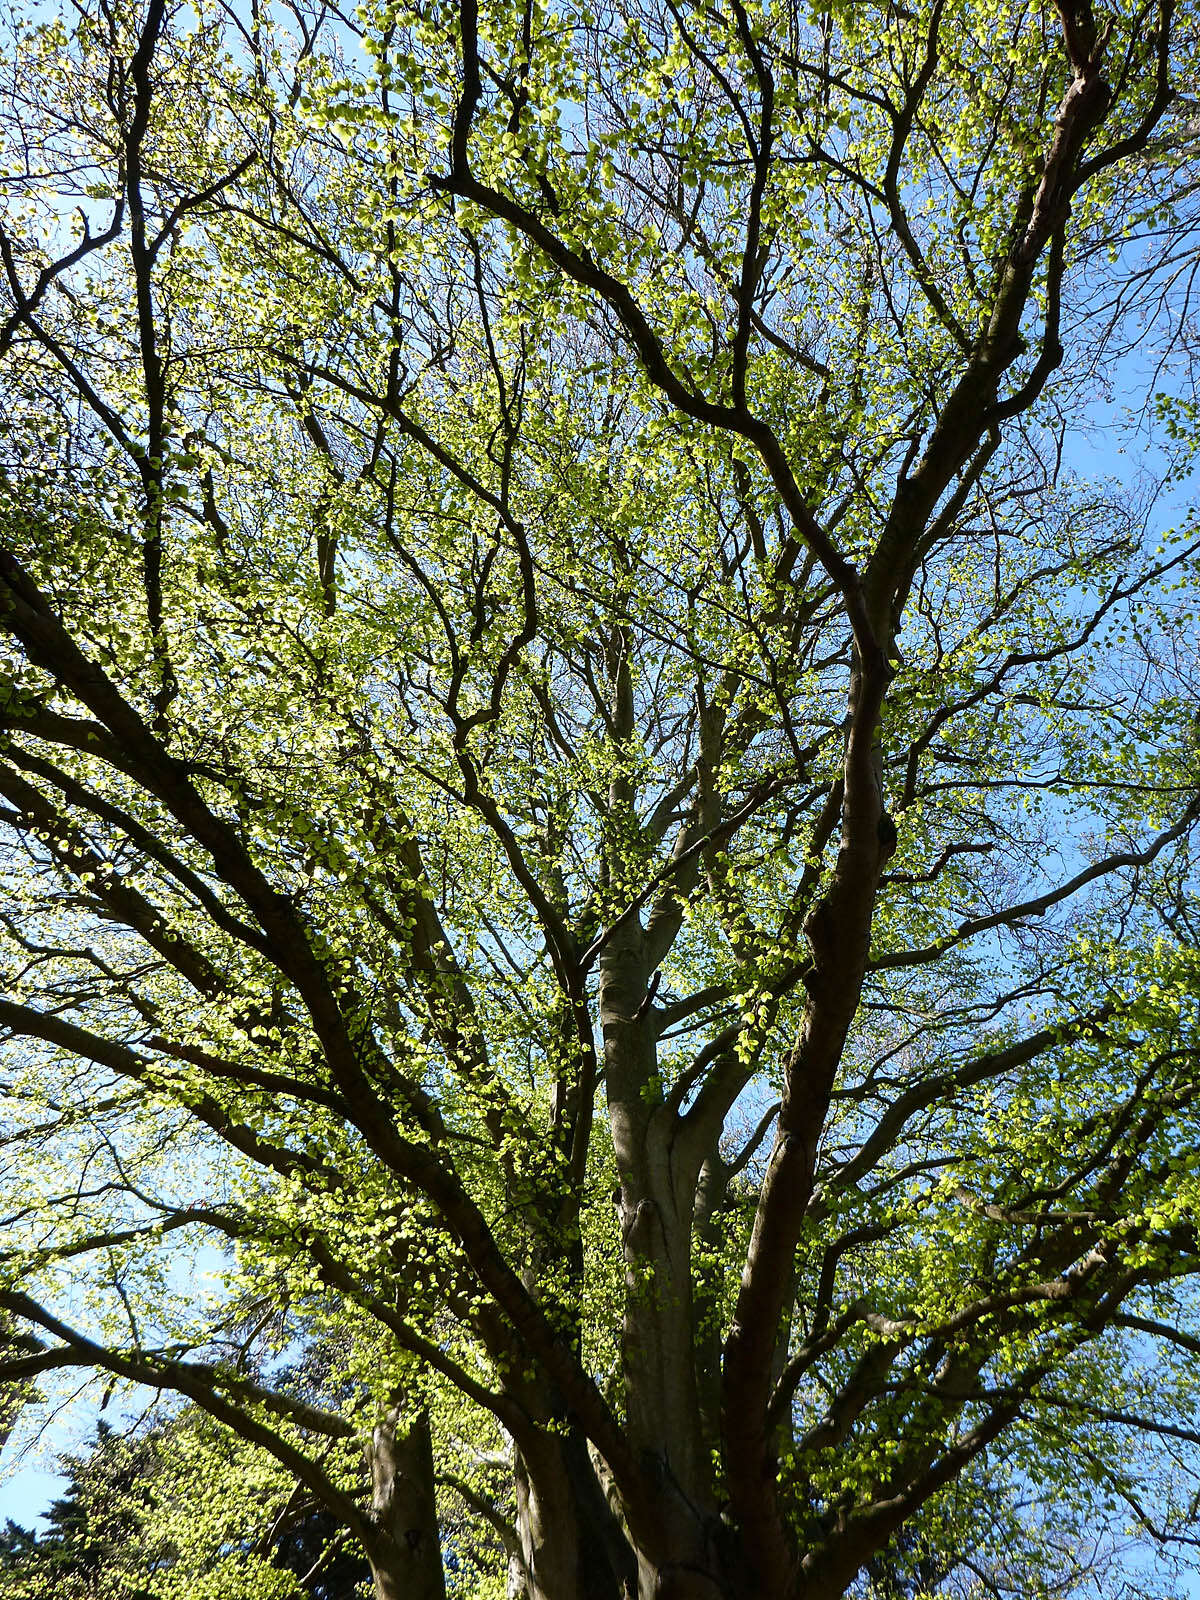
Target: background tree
{"x":84,"y":1550}
{"x":587,"y":790}
{"x":178,"y":1509}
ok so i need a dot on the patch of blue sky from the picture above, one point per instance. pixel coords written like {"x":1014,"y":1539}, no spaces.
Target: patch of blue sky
{"x":30,"y":1474}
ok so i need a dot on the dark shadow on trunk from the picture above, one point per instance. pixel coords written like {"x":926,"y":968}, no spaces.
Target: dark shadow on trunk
{"x":571,"y":1541}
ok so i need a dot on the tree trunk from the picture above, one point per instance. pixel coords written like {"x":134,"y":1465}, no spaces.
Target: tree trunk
{"x":572,"y":1545}
{"x":659,"y":1337}
{"x":405,"y":1553}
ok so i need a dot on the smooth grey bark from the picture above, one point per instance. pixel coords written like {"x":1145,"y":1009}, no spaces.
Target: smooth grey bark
{"x":405,"y":1551}
{"x":658,"y":1354}
{"x":668,"y":1388}
{"x":571,"y":1542}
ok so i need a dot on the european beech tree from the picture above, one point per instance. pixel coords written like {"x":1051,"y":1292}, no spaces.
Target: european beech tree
{"x":599,"y":781}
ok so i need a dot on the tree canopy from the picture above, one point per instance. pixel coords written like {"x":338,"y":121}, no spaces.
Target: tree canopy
{"x":598,"y":800}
